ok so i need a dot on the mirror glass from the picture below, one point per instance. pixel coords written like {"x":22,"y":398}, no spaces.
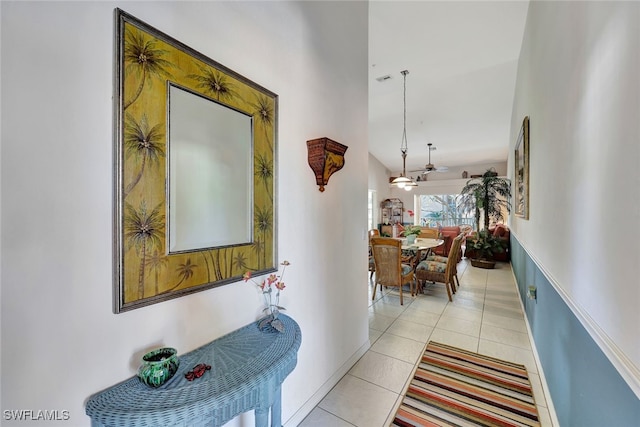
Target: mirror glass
{"x":210,"y":173}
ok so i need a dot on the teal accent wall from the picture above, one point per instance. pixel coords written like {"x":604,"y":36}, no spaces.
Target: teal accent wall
{"x":585,"y":387}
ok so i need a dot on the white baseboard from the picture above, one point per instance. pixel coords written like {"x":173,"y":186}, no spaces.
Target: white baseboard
{"x":313,"y":401}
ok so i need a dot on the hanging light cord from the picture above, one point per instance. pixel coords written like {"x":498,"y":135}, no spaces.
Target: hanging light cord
{"x":403,"y":143}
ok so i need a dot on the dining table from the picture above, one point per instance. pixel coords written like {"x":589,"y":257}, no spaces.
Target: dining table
{"x":417,"y":247}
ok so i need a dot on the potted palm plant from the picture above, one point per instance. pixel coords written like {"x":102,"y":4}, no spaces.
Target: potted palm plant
{"x":482,"y":248}
{"x":491,"y":194}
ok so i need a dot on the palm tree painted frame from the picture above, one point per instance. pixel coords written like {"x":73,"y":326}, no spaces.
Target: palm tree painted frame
{"x":521,"y":172}
{"x":147,"y":62}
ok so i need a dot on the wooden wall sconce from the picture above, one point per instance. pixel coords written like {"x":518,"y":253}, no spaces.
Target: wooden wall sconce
{"x":325,"y":158}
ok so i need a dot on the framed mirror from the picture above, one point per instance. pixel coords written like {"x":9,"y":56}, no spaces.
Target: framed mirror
{"x":194,"y":181}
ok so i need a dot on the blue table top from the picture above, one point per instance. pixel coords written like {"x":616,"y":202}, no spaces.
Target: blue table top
{"x":242,"y":362}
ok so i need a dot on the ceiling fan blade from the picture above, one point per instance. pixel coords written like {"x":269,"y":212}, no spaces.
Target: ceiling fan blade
{"x":430,"y":167}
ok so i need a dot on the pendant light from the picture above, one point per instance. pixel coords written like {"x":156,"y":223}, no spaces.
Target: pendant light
{"x":402,"y":181}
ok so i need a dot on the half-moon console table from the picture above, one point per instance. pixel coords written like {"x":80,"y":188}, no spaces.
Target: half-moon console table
{"x":248,"y":367}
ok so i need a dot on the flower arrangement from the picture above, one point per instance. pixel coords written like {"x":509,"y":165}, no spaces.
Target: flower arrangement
{"x":412,"y":229}
{"x":271,"y":301}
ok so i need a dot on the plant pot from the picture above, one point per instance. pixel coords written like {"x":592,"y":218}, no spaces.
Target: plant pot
{"x":482,"y":263}
{"x":158,"y":366}
{"x":411,"y":239}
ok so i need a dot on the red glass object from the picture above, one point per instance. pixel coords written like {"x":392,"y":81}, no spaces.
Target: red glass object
{"x":197,"y":371}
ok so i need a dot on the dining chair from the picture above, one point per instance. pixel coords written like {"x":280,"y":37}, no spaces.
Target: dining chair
{"x":372,"y":266}
{"x":390,"y":271}
{"x":444,"y":249}
{"x":456,"y":253}
{"x":428,"y":233}
{"x":441,"y":272}
{"x":466,"y":230}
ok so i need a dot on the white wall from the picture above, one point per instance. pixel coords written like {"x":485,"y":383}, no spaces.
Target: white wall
{"x":60,"y":340}
{"x":378,"y":178}
{"x":578,"y":82}
{"x":379,"y":183}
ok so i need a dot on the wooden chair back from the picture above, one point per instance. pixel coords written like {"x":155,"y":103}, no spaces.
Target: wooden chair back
{"x":445,"y":276}
{"x":428,"y":233}
{"x":452,"y":260}
{"x":444,"y":248}
{"x":387,"y":255}
{"x":372,"y":266}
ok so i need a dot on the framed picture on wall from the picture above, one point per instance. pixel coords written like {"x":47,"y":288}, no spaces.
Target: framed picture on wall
{"x":185,"y":127}
{"x":521,"y":173}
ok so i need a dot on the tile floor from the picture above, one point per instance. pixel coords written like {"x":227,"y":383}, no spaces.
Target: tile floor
{"x":485,"y":316}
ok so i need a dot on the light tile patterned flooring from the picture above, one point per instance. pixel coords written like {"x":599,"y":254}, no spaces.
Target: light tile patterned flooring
{"x":485,"y":317}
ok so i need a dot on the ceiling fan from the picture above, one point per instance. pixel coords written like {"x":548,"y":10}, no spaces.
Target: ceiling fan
{"x":429,"y":167}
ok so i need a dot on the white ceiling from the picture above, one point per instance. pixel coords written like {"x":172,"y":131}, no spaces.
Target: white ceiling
{"x":462,"y":59}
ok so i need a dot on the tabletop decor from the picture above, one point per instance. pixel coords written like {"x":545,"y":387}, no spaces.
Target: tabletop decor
{"x":180,"y":119}
{"x":197,"y":371}
{"x":411,"y":232}
{"x":467,"y":388}
{"x":272,"y":302}
{"x":158,"y":366}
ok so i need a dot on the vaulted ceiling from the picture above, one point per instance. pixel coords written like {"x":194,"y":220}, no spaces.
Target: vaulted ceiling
{"x":462,"y":58}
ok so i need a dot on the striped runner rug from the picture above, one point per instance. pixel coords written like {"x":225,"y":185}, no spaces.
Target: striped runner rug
{"x":455,"y":387}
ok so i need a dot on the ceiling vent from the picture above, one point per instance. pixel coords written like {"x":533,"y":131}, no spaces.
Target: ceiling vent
{"x":384,"y":78}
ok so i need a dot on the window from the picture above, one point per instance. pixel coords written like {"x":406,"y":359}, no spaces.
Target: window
{"x":444,"y":210}
{"x":372,"y":221}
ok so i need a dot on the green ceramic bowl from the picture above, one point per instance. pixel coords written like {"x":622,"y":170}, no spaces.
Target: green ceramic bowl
{"x":158,"y":366}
